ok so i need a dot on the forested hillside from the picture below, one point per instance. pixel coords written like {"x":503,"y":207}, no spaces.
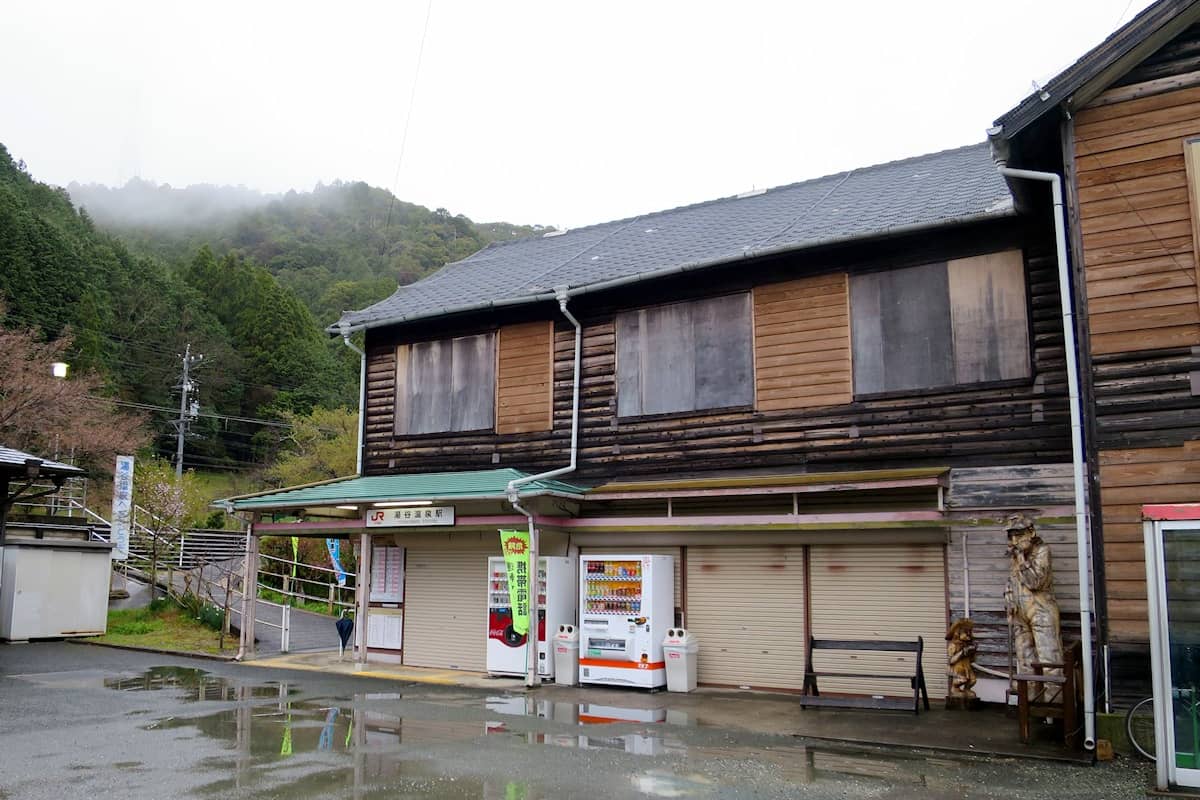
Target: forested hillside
{"x":341,"y":246}
{"x":131,"y":276}
{"x":129,"y":317}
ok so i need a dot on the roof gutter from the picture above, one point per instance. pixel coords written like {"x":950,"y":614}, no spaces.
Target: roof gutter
{"x":1082,"y":544}
{"x":666,"y":272}
{"x":513,"y":491}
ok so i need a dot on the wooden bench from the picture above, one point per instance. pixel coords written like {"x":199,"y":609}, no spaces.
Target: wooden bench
{"x":1065,"y":699}
{"x":916,"y":681}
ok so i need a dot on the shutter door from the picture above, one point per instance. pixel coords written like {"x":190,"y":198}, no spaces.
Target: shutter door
{"x":879,"y":592}
{"x":745,"y":605}
{"x":673,"y":552}
{"x":445,"y":609}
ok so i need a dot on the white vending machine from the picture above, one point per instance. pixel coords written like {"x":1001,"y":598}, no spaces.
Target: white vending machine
{"x":626,"y":604}
{"x":556,"y":606}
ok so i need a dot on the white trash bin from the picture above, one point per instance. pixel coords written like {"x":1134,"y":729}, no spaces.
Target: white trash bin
{"x":566,"y":655}
{"x":679,"y":651}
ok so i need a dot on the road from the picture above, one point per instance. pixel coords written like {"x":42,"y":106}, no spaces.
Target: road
{"x":85,"y":721}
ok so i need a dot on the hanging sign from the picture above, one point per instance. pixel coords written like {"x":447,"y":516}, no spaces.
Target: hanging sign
{"x":122,"y":507}
{"x":410,"y":517}
{"x":515,"y":545}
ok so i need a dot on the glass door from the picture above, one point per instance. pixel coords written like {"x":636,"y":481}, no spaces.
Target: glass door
{"x":1178,"y":680}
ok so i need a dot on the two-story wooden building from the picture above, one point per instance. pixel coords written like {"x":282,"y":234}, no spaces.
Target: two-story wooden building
{"x":821,"y":399}
{"x":1122,"y":126}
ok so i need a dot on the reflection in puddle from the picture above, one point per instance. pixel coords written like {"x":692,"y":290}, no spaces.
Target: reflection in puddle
{"x":196,"y":684}
{"x":581,"y":713}
{"x":382,"y":745}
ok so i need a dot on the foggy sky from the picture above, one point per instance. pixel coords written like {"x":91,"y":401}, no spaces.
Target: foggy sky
{"x":556,"y":113}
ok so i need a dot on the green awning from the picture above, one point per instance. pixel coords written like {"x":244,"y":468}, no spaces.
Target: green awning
{"x":489,"y":484}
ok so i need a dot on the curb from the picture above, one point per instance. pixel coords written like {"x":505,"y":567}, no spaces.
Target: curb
{"x":159,"y":651}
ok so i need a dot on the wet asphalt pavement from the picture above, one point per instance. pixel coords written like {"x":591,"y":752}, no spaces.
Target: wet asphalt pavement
{"x":90,"y":722}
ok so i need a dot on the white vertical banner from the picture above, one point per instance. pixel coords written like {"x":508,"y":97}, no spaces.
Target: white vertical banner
{"x":122,"y":507}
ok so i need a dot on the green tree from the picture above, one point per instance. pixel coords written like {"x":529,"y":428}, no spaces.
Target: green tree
{"x":319,"y":446}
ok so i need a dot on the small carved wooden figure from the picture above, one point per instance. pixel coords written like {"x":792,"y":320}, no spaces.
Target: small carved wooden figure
{"x":960,"y":657}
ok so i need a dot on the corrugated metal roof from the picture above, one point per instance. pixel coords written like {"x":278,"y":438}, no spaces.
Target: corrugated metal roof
{"x":10,"y":458}
{"x":950,"y":187}
{"x":432,"y":486}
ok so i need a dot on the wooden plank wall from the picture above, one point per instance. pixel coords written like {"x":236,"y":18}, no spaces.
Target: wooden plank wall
{"x":1136,"y":224}
{"x":1020,"y":423}
{"x":1128,"y":480}
{"x":978,"y":501}
{"x":802,"y":343}
{"x":1137,"y":219}
{"x":525,"y":378}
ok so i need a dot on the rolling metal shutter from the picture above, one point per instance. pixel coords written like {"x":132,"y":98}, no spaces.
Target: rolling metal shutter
{"x":879,"y":592}
{"x":445,"y":609}
{"x":745,"y":605}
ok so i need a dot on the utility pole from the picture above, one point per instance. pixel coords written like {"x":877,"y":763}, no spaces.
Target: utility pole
{"x":186,"y":412}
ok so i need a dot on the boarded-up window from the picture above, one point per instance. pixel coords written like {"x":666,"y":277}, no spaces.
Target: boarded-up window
{"x":685,"y":357}
{"x":446,"y":385}
{"x":941,"y":324}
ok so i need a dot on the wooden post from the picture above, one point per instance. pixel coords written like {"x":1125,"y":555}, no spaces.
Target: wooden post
{"x":225,"y":611}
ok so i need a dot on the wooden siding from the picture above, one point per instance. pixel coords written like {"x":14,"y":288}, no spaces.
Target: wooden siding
{"x":802,"y":343}
{"x":977,"y":559}
{"x":1146,"y":399}
{"x":1136,"y":222}
{"x":1020,"y":422}
{"x":1128,"y":480}
{"x":525,"y":378}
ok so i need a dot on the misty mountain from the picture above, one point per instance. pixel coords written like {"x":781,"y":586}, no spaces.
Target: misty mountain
{"x":140,"y":203}
{"x":129,"y":316}
{"x":343,"y":245}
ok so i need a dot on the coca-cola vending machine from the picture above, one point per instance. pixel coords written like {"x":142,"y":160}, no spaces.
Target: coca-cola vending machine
{"x":556,"y":606}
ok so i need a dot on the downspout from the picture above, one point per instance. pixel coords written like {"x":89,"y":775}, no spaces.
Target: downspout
{"x":362,"y":393}
{"x":1077,"y":463}
{"x":531,"y":641}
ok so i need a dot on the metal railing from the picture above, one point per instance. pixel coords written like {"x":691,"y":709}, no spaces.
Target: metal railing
{"x":208,"y":565}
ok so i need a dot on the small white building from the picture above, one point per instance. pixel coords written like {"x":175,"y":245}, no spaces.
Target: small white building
{"x":53,"y":579}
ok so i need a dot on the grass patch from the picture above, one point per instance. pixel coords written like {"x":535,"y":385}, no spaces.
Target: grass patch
{"x":163,"y":626}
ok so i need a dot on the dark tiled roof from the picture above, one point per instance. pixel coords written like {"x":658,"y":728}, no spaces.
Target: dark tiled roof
{"x":943,"y":188}
{"x":13,"y":461}
{"x":1160,"y":18}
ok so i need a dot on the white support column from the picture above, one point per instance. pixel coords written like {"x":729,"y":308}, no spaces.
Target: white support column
{"x":362,"y":597}
{"x":250,"y":593}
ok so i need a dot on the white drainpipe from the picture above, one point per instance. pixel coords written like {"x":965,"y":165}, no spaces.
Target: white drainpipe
{"x":362,"y":394}
{"x":1081,"y":527}
{"x":531,"y":639}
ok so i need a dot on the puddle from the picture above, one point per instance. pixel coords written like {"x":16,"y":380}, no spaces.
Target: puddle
{"x":194,"y":685}
{"x":379,"y":746}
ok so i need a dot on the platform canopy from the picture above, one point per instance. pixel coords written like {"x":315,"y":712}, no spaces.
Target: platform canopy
{"x":452,"y":486}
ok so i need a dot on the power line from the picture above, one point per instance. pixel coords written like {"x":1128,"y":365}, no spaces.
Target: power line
{"x":210,"y":415}
{"x":412,"y":98}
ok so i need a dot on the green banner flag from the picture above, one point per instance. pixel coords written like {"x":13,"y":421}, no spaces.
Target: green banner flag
{"x":516,"y":563}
